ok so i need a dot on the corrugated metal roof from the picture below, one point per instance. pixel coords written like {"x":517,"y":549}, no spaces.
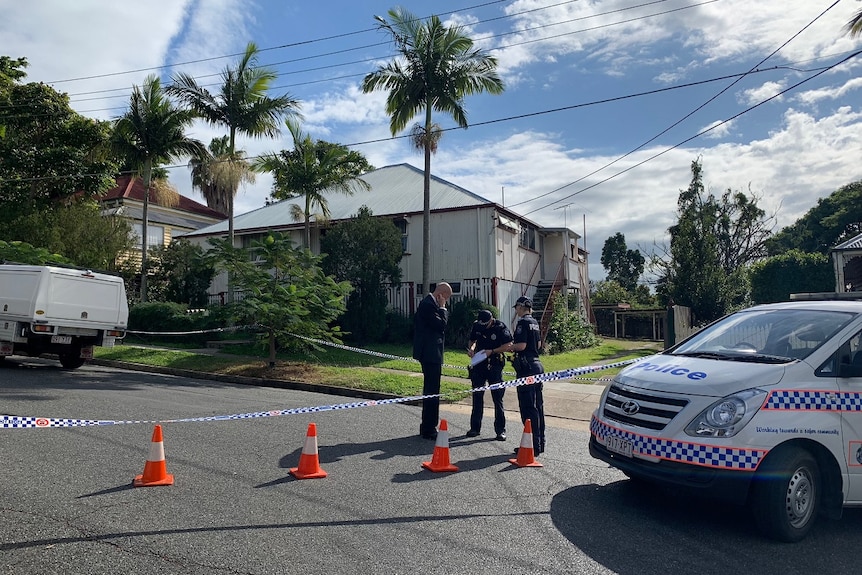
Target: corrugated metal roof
{"x":167,"y":218}
{"x":854,"y":243}
{"x":394,"y":190}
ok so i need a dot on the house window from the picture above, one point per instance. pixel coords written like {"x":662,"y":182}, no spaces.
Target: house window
{"x":527,"y":239}
{"x":247,"y":240}
{"x":155,"y":235}
{"x":401,"y":224}
{"x":456,"y":287}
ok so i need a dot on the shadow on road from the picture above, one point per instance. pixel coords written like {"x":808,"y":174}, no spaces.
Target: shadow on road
{"x":637,"y":530}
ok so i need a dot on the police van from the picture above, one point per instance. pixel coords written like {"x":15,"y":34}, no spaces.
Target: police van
{"x":762,"y":407}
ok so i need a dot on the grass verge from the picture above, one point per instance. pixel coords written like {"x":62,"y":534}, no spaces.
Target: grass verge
{"x":389,"y":371}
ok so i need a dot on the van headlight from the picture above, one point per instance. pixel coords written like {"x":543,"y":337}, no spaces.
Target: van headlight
{"x":727,"y":416}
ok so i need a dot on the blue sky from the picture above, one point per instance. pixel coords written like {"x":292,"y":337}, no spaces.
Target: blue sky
{"x":599,"y":121}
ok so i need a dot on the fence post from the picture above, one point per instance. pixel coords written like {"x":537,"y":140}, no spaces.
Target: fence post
{"x":670,"y":326}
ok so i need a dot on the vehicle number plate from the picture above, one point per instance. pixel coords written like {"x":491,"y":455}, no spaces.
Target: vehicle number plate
{"x":619,"y":445}
{"x":62,"y":339}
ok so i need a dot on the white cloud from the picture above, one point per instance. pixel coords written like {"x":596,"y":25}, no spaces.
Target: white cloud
{"x":85,"y":38}
{"x":717,"y":130}
{"x":812,"y":97}
{"x":761,"y":93}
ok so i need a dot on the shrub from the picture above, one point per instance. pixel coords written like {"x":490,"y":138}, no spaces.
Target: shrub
{"x":568,"y":330}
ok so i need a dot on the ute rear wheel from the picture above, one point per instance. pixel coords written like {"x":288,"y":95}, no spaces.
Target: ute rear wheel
{"x":787,"y":494}
{"x":71,"y":360}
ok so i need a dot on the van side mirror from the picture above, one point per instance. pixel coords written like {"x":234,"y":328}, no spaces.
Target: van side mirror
{"x":849,"y":370}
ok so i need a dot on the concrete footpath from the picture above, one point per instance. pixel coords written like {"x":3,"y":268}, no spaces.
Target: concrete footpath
{"x":569,"y":404}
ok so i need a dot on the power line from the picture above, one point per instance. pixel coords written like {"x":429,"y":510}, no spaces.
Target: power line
{"x":271,"y":48}
{"x":678,"y":122}
{"x":126,"y":90}
{"x":505,"y":119}
{"x":702,"y":132}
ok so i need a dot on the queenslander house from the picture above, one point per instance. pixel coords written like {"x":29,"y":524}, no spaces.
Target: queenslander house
{"x":483,"y":249}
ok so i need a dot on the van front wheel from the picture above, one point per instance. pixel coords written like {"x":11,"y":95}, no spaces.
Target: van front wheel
{"x":787,"y":494}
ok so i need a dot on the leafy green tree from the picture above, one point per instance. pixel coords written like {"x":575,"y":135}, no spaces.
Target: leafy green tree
{"x":11,"y":71}
{"x":712,"y":243}
{"x":79,"y":231}
{"x":623,"y":265}
{"x":48,"y":152}
{"x":775,"y":278}
{"x":365,"y":251}
{"x":311,"y":169}
{"x":608,"y":292}
{"x":437,"y":69}
{"x":152,"y":132}
{"x":834,"y":219}
{"x":241,"y":105}
{"x":181,"y":273}
{"x":285,"y":292}
{"x":24,"y":253}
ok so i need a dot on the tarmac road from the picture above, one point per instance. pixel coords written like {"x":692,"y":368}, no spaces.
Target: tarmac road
{"x":67,"y":506}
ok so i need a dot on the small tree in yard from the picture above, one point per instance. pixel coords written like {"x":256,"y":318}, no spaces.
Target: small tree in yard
{"x":568,"y":330}
{"x":365,"y":251}
{"x":181,"y":273}
{"x":285,"y":292}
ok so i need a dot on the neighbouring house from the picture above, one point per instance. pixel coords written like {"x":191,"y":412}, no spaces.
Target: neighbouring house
{"x":163,"y":222}
{"x":483,"y":249}
{"x":847,"y":259}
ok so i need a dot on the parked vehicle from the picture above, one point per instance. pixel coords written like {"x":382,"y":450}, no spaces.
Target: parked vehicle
{"x":763,"y":407}
{"x":62,"y":311}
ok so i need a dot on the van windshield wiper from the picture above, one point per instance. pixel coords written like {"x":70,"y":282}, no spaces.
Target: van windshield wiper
{"x":743,"y":357}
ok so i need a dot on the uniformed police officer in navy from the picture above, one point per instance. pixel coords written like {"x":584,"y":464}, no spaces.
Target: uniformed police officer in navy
{"x":526,"y":345}
{"x":493,"y":338}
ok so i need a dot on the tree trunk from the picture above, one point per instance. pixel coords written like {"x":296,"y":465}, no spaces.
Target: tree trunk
{"x":148,"y":172}
{"x":426,"y":209}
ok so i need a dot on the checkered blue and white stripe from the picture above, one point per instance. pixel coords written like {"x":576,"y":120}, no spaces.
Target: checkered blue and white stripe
{"x":813,"y":400}
{"x":717,"y":456}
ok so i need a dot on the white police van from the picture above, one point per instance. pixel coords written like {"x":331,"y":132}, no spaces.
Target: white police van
{"x":762,"y":407}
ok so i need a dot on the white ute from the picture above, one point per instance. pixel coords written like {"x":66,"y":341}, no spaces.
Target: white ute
{"x":762,"y":407}
{"x":62,"y":311}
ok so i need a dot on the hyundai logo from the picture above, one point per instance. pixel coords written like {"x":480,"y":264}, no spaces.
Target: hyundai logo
{"x":631,"y":407}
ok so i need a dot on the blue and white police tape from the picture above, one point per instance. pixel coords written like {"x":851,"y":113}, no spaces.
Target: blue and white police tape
{"x":376,"y":353}
{"x":23,"y":422}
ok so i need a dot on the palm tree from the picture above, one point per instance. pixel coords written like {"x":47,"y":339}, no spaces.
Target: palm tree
{"x":241,"y":105}
{"x":854,"y":26}
{"x":151,"y":133}
{"x":217,"y":176}
{"x":311,"y":168}
{"x":437,"y":69}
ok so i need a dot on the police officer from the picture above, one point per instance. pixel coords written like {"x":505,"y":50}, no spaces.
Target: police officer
{"x":526,"y":345}
{"x":491,"y":337}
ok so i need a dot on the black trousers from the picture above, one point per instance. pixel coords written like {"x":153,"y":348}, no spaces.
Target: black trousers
{"x":430,"y":407}
{"x":531,"y":404}
{"x":479,"y":377}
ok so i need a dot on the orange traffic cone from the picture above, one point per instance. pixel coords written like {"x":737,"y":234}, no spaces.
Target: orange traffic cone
{"x":440,"y":459}
{"x":309,"y":464}
{"x":525,"y":451}
{"x":155,"y":469}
